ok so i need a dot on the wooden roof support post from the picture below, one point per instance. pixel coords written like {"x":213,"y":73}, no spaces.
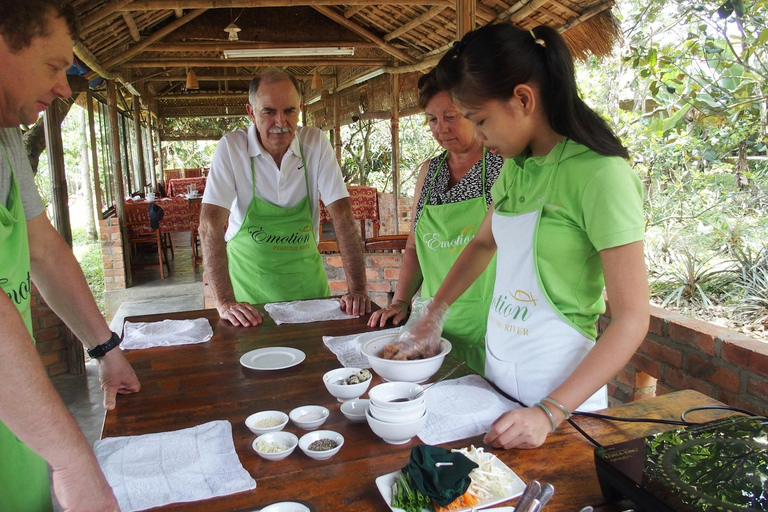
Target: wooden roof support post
{"x":59,"y":199}
{"x":159,"y":142}
{"x":152,"y":152}
{"x":395,"y":126}
{"x":466,"y":16}
{"x":94,"y":152}
{"x":336,"y":121}
{"x":141,"y":185}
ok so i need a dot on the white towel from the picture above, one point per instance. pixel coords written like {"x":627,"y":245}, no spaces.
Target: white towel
{"x":166,"y":333}
{"x":348,"y":349}
{"x":305,"y":311}
{"x":192,"y":464}
{"x":462,"y":408}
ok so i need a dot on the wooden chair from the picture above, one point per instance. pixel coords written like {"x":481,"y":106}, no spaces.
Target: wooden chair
{"x":194,"y":234}
{"x":193,"y":173}
{"x":141,"y":235}
{"x":365,"y":207}
{"x":171,"y":174}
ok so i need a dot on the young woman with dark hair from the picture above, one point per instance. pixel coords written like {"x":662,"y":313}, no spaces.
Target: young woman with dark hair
{"x":567,"y":222}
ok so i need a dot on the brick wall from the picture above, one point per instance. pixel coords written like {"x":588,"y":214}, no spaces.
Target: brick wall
{"x":112,"y":254}
{"x":50,"y":334}
{"x":686,"y":353}
{"x":386,"y":212}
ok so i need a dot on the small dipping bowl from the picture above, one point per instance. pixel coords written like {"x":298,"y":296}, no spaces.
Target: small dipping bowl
{"x":344,"y":392}
{"x":354,"y":410}
{"x":397,"y":395}
{"x":253,"y":420}
{"x":395,"y":433}
{"x":308,"y":439}
{"x":283,"y":438}
{"x":309,"y":417}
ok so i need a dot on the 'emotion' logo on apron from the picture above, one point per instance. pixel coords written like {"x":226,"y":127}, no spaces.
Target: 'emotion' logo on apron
{"x":435,"y":242}
{"x":261,"y":236}
{"x":18,"y":295}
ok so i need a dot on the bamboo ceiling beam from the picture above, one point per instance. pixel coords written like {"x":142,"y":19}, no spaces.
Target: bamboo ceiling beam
{"x":161,"y":5}
{"x":92,"y":62}
{"x":466,"y":17}
{"x":341,"y":20}
{"x":485,"y":14}
{"x":565,"y":8}
{"x":99,"y":15}
{"x":201,"y":112}
{"x":220,"y":47}
{"x":353,"y":10}
{"x":589,"y":13}
{"x":522,"y":10}
{"x":231,"y":63}
{"x":132,"y":28}
{"x":178,"y":12}
{"x":210,"y":78}
{"x":156,"y":36}
{"x":203,"y":96}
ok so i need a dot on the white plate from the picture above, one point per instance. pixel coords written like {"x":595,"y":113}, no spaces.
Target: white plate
{"x":272,"y":358}
{"x":286,"y":506}
{"x":384,"y":483}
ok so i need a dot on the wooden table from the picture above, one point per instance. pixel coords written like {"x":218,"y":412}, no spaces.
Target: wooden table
{"x":189,"y":385}
{"x":178,"y":186}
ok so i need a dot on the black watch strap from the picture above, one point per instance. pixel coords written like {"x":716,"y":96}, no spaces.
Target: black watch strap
{"x":101,"y":350}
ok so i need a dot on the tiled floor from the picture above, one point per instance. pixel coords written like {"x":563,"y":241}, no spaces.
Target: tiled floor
{"x":181,"y":291}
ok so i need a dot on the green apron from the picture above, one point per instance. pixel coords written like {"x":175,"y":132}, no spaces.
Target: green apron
{"x":24,"y":483}
{"x":274,"y":257}
{"x":441,"y":234}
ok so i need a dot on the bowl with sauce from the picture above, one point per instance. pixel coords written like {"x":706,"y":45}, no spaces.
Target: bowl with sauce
{"x":412,"y":370}
{"x":266,"y":421}
{"x":309,"y":417}
{"x":321,"y":444}
{"x":395,"y":433}
{"x":397,"y":396}
{"x":397,"y":415}
{"x":275,"y":445}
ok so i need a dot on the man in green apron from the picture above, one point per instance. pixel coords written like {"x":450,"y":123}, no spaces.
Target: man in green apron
{"x":260,"y":215}
{"x":35,"y":426}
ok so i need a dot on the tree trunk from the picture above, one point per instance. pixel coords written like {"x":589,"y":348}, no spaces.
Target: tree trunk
{"x":90,"y":221}
{"x":34,"y":138}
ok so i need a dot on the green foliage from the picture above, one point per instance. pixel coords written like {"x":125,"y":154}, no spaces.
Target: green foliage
{"x":88,"y":254}
{"x":202,"y":127}
{"x":692,"y":279}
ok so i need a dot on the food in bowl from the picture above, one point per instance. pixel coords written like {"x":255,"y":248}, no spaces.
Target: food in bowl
{"x":397,"y":395}
{"x":341,"y":383}
{"x":266,"y":421}
{"x":309,"y":439}
{"x":309,"y":417}
{"x":414,"y":370}
{"x":322,"y":445}
{"x":275,"y":445}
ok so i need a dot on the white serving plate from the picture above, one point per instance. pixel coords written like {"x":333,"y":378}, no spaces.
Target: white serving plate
{"x":272,"y":358}
{"x":384,"y":483}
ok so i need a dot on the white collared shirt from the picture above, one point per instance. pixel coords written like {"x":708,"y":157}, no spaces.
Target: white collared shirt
{"x":229,"y":183}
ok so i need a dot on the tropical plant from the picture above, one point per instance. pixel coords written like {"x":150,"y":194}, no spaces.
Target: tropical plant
{"x":693,"y":279}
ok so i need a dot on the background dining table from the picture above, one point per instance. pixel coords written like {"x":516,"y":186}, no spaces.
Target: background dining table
{"x":189,"y":385}
{"x":177,"y":186}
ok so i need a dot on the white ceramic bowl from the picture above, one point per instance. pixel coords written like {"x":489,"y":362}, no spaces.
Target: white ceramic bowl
{"x":309,"y":417}
{"x":310,"y":438}
{"x":354,"y":410}
{"x":252,"y":421}
{"x":391,"y":395}
{"x":397,"y":416}
{"x":395,"y":433}
{"x":284,"y":438}
{"x":416,"y":370}
{"x":345,"y":391}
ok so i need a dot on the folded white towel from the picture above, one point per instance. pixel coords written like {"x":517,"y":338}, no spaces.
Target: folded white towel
{"x":305,"y":311}
{"x":165,"y":333}
{"x":192,"y":464}
{"x":348,"y":349}
{"x":462,"y":408}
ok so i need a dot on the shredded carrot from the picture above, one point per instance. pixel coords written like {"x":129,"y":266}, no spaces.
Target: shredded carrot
{"x":465,"y":500}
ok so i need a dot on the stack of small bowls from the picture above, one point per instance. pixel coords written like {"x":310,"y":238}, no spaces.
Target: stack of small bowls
{"x":394,"y":414}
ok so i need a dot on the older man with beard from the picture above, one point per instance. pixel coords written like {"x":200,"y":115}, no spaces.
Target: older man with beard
{"x":266,"y":182}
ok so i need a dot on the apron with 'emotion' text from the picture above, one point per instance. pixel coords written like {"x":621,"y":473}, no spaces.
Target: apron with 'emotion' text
{"x":273,"y":257}
{"x":442,"y":232}
{"x":24,"y":483}
{"x":530,"y":347}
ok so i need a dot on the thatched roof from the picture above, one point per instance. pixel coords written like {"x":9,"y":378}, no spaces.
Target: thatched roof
{"x":149,"y":46}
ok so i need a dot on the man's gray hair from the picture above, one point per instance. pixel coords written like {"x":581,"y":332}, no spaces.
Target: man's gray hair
{"x":271,"y":76}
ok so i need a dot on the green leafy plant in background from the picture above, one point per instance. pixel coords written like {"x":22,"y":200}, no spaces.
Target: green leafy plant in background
{"x":693,"y":279}
{"x":751,"y":288}
{"x":88,"y":254}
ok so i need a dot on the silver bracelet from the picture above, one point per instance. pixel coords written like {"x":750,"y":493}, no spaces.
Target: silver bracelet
{"x":558,"y":405}
{"x":549,"y":413}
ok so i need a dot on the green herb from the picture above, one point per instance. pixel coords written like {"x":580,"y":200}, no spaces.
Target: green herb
{"x":406,"y":495}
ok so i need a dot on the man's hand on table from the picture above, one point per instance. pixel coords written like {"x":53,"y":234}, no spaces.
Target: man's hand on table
{"x":356,"y":303}
{"x":397,"y":311}
{"x":519,"y":428}
{"x":81,"y":486}
{"x":240,"y":314}
{"x":116,"y":376}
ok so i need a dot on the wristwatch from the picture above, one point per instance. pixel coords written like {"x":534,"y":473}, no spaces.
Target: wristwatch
{"x":101,"y":350}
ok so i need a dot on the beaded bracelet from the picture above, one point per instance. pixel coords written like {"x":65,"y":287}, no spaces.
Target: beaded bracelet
{"x":549,"y":413}
{"x":558,"y":405}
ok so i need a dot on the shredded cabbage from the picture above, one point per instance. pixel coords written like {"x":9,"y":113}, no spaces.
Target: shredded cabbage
{"x":488,"y":479}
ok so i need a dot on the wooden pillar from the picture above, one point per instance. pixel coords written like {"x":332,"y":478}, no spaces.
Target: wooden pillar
{"x":59,"y":197}
{"x":126,"y":155}
{"x":139,"y":144}
{"x":336,"y":121}
{"x":395,"y":127}
{"x":466,"y":16}
{"x":118,"y":192}
{"x":160,"y":159}
{"x":152,"y":154}
{"x":94,"y":152}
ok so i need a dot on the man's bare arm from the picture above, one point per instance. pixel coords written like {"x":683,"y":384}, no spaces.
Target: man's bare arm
{"x":356,"y":301}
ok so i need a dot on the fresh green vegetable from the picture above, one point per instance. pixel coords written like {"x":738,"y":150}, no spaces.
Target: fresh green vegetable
{"x":406,"y":495}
